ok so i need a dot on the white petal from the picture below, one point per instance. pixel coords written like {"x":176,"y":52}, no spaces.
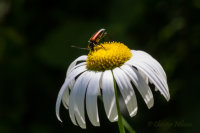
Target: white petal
{"x":147,"y":59}
{"x":144,"y":77}
{"x":157,"y":80}
{"x":72,"y":105}
{"x":162,"y":79}
{"x":91,"y":98}
{"x":81,"y":58}
{"x":80,"y":98}
{"x":68,"y":79}
{"x":76,"y":66}
{"x":126,"y":90}
{"x":109,"y":96}
{"x":71,"y":84}
{"x":65,"y":98}
{"x":141,"y":55}
{"x":140,"y":84}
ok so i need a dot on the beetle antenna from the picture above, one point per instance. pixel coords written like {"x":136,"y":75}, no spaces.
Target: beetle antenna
{"x":73,"y":46}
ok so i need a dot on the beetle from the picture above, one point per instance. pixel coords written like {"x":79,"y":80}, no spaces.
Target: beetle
{"x":93,"y":41}
{"x":96,"y":37}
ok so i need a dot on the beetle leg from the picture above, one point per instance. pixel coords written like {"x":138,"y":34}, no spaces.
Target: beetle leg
{"x":102,"y":46}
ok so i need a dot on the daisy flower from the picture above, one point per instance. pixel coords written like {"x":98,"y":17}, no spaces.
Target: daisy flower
{"x":110,"y":65}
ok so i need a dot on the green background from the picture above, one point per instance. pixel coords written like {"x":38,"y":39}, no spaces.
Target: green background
{"x":35,"y":39}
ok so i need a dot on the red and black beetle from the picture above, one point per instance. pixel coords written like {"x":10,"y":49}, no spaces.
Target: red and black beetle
{"x":96,"y":38}
{"x":93,"y":41}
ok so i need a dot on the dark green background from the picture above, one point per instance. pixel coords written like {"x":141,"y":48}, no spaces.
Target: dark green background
{"x":35,"y":39}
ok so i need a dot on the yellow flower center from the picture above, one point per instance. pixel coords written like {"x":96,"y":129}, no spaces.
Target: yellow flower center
{"x":107,"y":56}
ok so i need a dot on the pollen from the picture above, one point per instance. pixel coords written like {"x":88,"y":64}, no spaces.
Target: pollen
{"x":107,"y":56}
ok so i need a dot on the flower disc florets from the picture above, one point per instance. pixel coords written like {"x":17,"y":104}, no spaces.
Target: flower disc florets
{"x":107,"y":56}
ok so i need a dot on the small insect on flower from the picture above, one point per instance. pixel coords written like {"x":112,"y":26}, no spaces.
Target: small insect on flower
{"x":93,"y":41}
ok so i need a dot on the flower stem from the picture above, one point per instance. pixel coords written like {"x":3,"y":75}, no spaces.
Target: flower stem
{"x":127,"y":126}
{"x":120,"y":122}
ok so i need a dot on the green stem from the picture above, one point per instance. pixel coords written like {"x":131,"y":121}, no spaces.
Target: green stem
{"x":120,"y":123}
{"x":127,"y":126}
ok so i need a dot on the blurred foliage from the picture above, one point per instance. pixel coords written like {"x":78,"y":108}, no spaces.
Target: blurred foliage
{"x":35,"y":40}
